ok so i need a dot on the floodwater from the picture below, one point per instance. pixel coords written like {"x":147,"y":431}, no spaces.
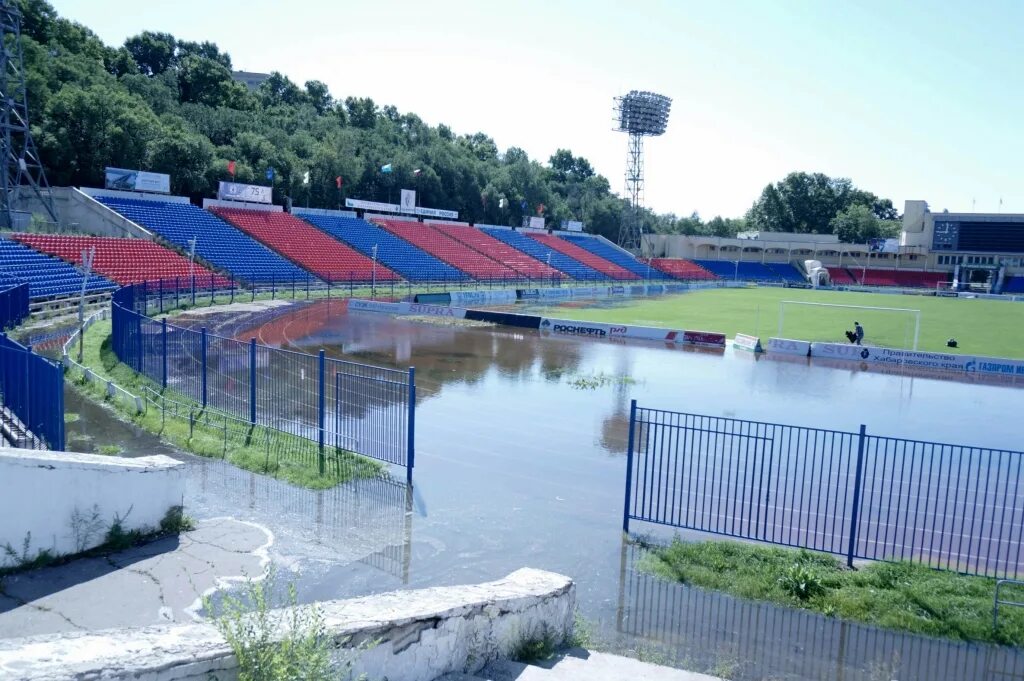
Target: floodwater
{"x":521,"y":462}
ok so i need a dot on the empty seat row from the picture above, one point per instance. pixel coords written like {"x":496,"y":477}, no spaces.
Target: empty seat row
{"x":680,"y":268}
{"x":901,"y":278}
{"x":305,"y":245}
{"x":125,"y":261}
{"x":752,"y":271}
{"x":1014,"y":284}
{"x":47,"y":277}
{"x":522,"y":263}
{"x":549,"y":256}
{"x":396,"y":253}
{"x":603,"y":248}
{"x":453,"y":252}
{"x":216,"y":242}
{"x":592,"y":261}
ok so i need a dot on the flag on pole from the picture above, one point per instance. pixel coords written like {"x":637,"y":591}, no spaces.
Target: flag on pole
{"x":270,"y":174}
{"x":231,"y":168}
{"x":337,"y":181}
{"x":385,"y":168}
{"x":524,"y":205}
{"x":540,"y":209}
{"x":503,"y":202}
{"x":305,"y":177}
{"x":416,"y":173}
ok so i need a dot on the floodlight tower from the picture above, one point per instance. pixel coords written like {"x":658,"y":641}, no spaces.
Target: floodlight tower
{"x":21,"y":164}
{"x":639,"y":114}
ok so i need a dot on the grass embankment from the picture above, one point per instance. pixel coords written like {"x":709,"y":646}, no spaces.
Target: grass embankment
{"x":899,"y":596}
{"x":294,"y":458}
{"x":981,"y":327}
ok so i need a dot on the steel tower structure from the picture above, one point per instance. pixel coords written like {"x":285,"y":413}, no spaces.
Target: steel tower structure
{"x":639,"y":114}
{"x":21,"y":164}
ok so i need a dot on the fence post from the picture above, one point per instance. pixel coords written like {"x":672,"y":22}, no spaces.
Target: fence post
{"x":629,"y":466}
{"x":163,"y":350}
{"x":321,"y":405}
{"x":160,"y":288}
{"x":177,"y":292}
{"x":856,"y":495}
{"x":410,"y":459}
{"x":203,"y":348}
{"x":252,"y":381}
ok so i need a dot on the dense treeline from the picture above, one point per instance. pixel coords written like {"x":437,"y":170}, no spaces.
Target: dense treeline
{"x":171,"y":106}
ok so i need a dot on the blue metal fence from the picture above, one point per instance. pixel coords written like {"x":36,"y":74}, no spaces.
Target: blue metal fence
{"x":848,"y":493}
{"x":13,"y":305}
{"x":355,"y":407}
{"x":32,"y":388}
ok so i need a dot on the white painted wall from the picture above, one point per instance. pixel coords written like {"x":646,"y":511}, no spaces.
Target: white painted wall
{"x":420,"y":635}
{"x":44,"y":492}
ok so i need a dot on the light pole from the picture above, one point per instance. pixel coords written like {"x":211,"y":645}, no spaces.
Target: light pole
{"x":373,"y":283}
{"x":736,"y":275}
{"x":191,"y":262}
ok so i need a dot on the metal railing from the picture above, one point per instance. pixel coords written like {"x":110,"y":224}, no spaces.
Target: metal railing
{"x":32,"y":388}
{"x":14,"y":306}
{"x":361,"y":408}
{"x":854,"y":494}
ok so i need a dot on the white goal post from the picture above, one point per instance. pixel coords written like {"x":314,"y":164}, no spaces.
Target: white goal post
{"x":915,"y":313}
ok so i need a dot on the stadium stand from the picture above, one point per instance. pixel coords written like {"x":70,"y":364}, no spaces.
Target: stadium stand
{"x":752,"y":271}
{"x":1014,"y":284}
{"x":397,"y":254}
{"x":217,"y":242}
{"x":526,"y":265}
{"x":539,"y":251}
{"x":475,"y":264}
{"x":902,"y":278}
{"x":311,"y":248}
{"x":841,"y":276}
{"x":584,"y":256}
{"x":47,"y":277}
{"x":680,"y":268}
{"x":125,"y":261}
{"x":613,"y":254}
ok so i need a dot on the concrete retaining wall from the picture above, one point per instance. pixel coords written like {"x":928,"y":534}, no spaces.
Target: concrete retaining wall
{"x":65,"y":503}
{"x":419,"y":636}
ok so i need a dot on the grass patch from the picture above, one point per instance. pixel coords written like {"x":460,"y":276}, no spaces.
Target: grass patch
{"x":901,"y":596}
{"x":254,"y":448}
{"x":982,"y":327}
{"x":110,"y":450}
{"x":71,"y":417}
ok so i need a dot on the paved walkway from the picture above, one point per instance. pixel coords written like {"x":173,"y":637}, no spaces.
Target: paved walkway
{"x":162,"y":581}
{"x":580,"y":665}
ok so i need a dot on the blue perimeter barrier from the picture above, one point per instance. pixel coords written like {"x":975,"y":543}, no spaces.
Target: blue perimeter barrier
{"x":13,"y":306}
{"x":32,"y":387}
{"x":356,"y":407}
{"x":865,"y":496}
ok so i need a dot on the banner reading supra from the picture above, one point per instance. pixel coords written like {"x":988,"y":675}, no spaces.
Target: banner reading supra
{"x":136,"y":181}
{"x":234,"y":191}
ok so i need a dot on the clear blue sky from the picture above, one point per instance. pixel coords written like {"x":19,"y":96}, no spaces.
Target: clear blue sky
{"x":911,"y":100}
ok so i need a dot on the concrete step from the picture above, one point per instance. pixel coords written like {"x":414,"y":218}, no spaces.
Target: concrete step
{"x":586,"y":666}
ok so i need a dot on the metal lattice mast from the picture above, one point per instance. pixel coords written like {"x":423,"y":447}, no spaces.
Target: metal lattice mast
{"x":641,"y":114}
{"x":21,"y":165}
{"x":629,"y":230}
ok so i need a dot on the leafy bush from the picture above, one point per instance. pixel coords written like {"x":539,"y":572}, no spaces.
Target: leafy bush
{"x":802,"y":582}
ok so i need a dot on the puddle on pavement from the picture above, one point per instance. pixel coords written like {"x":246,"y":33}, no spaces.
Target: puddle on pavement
{"x":521,"y":463}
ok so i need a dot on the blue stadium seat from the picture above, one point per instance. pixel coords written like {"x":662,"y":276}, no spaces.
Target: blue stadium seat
{"x":393,"y":252}
{"x":613,"y":254}
{"x":1014,"y":285}
{"x":536,"y":249}
{"x":217,"y":242}
{"x":752,"y":271}
{"x":47,"y":277}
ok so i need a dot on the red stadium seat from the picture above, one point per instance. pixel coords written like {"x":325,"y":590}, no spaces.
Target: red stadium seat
{"x":450,"y":250}
{"x":584,"y":256}
{"x":680,"y":268}
{"x":499,"y":250}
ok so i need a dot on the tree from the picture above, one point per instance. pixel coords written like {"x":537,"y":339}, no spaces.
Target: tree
{"x":203,"y":81}
{"x":319,"y":96}
{"x":153,"y":52}
{"x":856,"y":225}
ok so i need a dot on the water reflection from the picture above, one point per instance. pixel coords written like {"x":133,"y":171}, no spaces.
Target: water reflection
{"x":708,"y":631}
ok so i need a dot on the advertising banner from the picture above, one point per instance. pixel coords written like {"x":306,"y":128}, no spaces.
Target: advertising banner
{"x":786,"y":346}
{"x":234,"y":191}
{"x":357,"y":305}
{"x":537,"y":223}
{"x":706,"y":338}
{"x":408,"y":201}
{"x":477,"y":297}
{"x":136,"y":181}
{"x":892,"y":356}
{"x":572,"y":226}
{"x":745,"y":342}
{"x":376,"y":206}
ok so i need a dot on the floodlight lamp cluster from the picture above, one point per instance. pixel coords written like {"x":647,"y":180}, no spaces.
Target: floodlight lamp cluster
{"x":643,"y":113}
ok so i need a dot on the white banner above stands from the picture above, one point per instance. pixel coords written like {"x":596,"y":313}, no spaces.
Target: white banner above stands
{"x":376,"y":206}
{"x":136,"y":181}
{"x":408,"y":200}
{"x":572,"y":226}
{"x":233,"y":191}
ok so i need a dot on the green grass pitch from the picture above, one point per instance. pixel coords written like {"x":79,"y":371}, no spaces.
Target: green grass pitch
{"x":982,"y":327}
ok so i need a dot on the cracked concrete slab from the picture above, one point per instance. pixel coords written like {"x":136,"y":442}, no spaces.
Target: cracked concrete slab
{"x":156,"y":583}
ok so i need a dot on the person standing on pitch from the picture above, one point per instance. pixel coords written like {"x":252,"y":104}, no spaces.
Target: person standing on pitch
{"x":858,"y":331}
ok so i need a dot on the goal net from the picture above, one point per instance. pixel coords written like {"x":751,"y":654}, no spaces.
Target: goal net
{"x":890,"y":327}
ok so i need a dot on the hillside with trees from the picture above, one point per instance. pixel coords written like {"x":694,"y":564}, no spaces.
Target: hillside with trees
{"x":171,"y":106}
